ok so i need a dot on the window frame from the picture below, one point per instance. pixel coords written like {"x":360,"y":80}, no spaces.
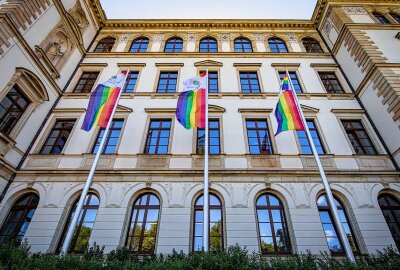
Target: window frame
{"x":157,"y":82}
{"x":298,"y":78}
{"x":196,"y":132}
{"x":200,"y":70}
{"x":275,"y":43}
{"x":134,"y":90}
{"x":49,"y":129}
{"x":312,"y":45}
{"x":79,"y":77}
{"x":137,"y":38}
{"x":248,"y":71}
{"x":249,"y":117}
{"x":340,"y":82}
{"x":208,"y":46}
{"x":174,"y":45}
{"x":391,"y":209}
{"x":147,"y":132}
{"x":395,"y":16}
{"x":97,"y":132}
{"x":242,"y":49}
{"x":105,"y":45}
{"x":380,"y":18}
{"x":366,"y":130}
{"x":320,"y":136}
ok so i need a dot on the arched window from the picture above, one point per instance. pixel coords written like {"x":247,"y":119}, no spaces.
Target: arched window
{"x":395,"y":16}
{"x":243,"y":45}
{"x":216,"y":231}
{"x":80,"y":239}
{"x":381,"y":18}
{"x":105,"y":45}
{"x":142,"y":234}
{"x":277,"y":45}
{"x":17,"y":221}
{"x":331,"y":233}
{"x":174,"y":44}
{"x":139,"y":45}
{"x":208,"y":44}
{"x":272,"y":226}
{"x":311,"y":45}
{"x":390,"y":207}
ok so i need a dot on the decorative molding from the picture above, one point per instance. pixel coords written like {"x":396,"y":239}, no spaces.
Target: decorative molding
{"x":252,"y":110}
{"x":68,"y":110}
{"x":247,"y":64}
{"x":160,"y":110}
{"x":134,"y":65}
{"x":192,"y":37}
{"x":348,"y":111}
{"x":125,"y":37}
{"x":323,"y":65}
{"x":169,"y":64}
{"x":259,"y":37}
{"x":208,"y":63}
{"x":158,"y":37}
{"x":354,"y":10}
{"x":281,"y":65}
{"x":225,"y":37}
{"x":93,"y":65}
{"x":292,"y":38}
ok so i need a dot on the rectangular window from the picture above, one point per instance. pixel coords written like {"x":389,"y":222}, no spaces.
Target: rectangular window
{"x":249,"y":82}
{"x":12,"y":107}
{"x":131,"y":82}
{"x":358,"y":137}
{"x":331,"y":83}
{"x":58,"y":137}
{"x":167,"y":82}
{"x":214,"y":138}
{"x":303,"y":140}
{"x":212,"y":81}
{"x":158,"y":137}
{"x":86,"y":82}
{"x":258,"y":137}
{"x":294,"y":79}
{"x":112,"y":138}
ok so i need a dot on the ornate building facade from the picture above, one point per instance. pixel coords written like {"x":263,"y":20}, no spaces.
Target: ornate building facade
{"x":266,"y":193}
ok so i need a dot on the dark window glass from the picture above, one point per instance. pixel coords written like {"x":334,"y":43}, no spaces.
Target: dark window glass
{"x":358,"y":137}
{"x":216,"y":228}
{"x":112,"y":138}
{"x":249,"y":82}
{"x":390,"y":207}
{"x":311,"y":45}
{"x":158,"y":137}
{"x":86,"y":82}
{"x":80,"y":239}
{"x":208,"y":44}
{"x":131,"y":82}
{"x":243,"y":45}
{"x":12,"y":107}
{"x":167,"y":82}
{"x":331,"y":233}
{"x":58,"y":136}
{"x":395,"y":16}
{"x":272,"y":226}
{"x":331,"y":83}
{"x":212,"y":81}
{"x":139,"y":45}
{"x":17,"y":222}
{"x":303,"y":140}
{"x":142,"y":234}
{"x":381,"y":19}
{"x":214,"y":138}
{"x":105,"y":45}
{"x":258,"y":137}
{"x":294,"y":79}
{"x":174,"y":45}
{"x":277,"y":45}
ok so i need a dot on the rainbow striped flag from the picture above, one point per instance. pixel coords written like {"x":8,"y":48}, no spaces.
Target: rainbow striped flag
{"x":191,"y":107}
{"x":286,"y":112}
{"x":102,"y":102}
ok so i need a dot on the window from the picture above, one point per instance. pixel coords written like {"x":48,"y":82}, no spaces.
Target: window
{"x":139,"y":45}
{"x":311,"y":45}
{"x":12,"y":107}
{"x":258,"y":137}
{"x":331,"y":233}
{"x":142,"y":234}
{"x":272,"y":226}
{"x":105,"y":45}
{"x":390,"y":207}
{"x":395,"y":16}
{"x":80,"y":239}
{"x":331,"y":83}
{"x":249,"y":82}
{"x":294,"y":79}
{"x":381,"y":19}
{"x":216,"y":231}
{"x":58,"y":136}
{"x":17,"y":222}
{"x":158,"y":137}
{"x":167,"y":82}
{"x":208,"y":44}
{"x":243,"y":45}
{"x":174,"y":45}
{"x":130,"y":82}
{"x":86,"y":82}
{"x":111,"y":142}
{"x":277,"y":45}
{"x":358,"y":137}
{"x":213,"y":135}
{"x":212,"y":81}
{"x":303,"y":140}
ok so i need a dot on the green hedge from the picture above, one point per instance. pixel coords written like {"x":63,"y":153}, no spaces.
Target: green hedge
{"x":18,"y":257}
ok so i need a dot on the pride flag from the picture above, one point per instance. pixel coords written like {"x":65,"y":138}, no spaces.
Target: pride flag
{"x":191,"y":107}
{"x":286,"y":111}
{"x":102,"y":102}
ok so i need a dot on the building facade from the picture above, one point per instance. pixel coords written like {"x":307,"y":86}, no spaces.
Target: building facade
{"x":266,"y":193}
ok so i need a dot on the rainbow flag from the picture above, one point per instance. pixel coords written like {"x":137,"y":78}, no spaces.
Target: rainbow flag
{"x":191,"y":107}
{"x":102,"y":102}
{"x":286,"y":111}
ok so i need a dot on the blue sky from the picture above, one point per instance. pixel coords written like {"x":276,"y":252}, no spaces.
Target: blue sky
{"x":209,"y":9}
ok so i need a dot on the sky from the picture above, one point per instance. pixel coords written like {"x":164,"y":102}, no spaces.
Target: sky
{"x":208,"y":9}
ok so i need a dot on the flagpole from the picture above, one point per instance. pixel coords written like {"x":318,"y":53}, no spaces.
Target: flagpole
{"x":328,"y":190}
{"x":89,"y":179}
{"x":206,"y":184}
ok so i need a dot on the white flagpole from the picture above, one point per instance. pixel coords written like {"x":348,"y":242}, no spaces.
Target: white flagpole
{"x":89,"y":179}
{"x":328,"y":190}
{"x":205,"y":195}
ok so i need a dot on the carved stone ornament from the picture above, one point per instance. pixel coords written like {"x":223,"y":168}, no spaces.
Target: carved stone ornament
{"x":192,"y":37}
{"x":328,"y":26}
{"x":125,"y":38}
{"x":79,"y":15}
{"x":354,"y":10}
{"x":225,"y":37}
{"x":259,"y":37}
{"x":158,"y":37}
{"x":292,"y":37}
